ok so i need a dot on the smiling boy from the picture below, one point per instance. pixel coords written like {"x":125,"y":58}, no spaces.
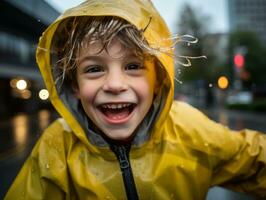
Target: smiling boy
{"x":109,"y":69}
{"x":116,"y":88}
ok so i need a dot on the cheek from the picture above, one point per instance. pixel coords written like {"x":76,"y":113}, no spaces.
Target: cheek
{"x":86,"y":91}
{"x":144,"y":89}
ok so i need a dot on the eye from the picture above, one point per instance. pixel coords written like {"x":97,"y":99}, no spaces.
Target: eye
{"x":94,"y":69}
{"x":134,"y":66}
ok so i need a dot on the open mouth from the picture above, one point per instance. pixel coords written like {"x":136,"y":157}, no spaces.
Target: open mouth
{"x":117,"y":112}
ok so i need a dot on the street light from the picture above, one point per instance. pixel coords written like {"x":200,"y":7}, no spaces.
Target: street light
{"x":43,"y":94}
{"x":223,"y":82}
{"x":21,"y":84}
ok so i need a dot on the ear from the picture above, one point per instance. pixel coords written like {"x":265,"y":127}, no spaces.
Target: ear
{"x":76,"y":91}
{"x":156,"y":86}
{"x":158,"y":79}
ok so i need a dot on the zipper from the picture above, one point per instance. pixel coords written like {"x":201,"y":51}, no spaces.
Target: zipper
{"x":122,"y":154}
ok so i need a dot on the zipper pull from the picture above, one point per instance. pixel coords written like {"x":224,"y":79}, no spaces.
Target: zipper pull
{"x":123,"y":157}
{"x":121,"y":153}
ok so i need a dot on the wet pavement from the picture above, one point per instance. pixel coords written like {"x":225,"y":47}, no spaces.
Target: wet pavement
{"x":19,"y":134}
{"x":17,"y":138}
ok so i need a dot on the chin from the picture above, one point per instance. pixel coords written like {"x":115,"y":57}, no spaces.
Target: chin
{"x":119,"y":136}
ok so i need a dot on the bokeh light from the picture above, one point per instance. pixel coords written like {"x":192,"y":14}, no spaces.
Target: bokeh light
{"x":44,"y":94}
{"x":223,"y":82}
{"x":21,"y":84}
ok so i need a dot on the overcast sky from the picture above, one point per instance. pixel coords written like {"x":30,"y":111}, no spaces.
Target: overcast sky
{"x":169,"y":9}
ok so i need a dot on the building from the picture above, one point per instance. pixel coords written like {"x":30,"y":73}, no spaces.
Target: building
{"x":21,"y":25}
{"x":248,"y":15}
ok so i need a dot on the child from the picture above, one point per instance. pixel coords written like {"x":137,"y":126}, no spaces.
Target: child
{"x":109,"y":70}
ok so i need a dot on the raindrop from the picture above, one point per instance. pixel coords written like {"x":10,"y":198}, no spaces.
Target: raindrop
{"x":97,"y":174}
{"x":210,"y":85}
{"x":82,"y":155}
{"x":188,"y":44}
{"x":172,"y":196}
{"x":22,"y":195}
{"x":39,"y":20}
{"x":47,"y":166}
{"x":178,"y":81}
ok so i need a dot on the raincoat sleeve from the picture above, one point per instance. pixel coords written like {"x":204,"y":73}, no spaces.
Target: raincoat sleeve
{"x":244,"y":170}
{"x":236,"y":159}
{"x":43,"y":175}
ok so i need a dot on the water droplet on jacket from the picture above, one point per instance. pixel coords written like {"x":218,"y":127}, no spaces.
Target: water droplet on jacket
{"x":206,"y":144}
{"x":172,"y":196}
{"x":82,"y":156}
{"x":22,"y":196}
{"x":32,"y":170}
{"x":47,"y":166}
{"x":107,"y":197}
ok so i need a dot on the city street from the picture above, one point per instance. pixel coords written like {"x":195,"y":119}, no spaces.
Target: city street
{"x":18,"y":136}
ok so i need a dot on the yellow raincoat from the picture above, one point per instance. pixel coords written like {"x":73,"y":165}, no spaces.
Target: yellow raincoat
{"x":184,"y":155}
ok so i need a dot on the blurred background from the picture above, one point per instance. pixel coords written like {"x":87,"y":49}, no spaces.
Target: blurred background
{"x":229,"y":86}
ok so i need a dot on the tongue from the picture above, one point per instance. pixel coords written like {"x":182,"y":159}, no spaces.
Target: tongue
{"x":117,"y":114}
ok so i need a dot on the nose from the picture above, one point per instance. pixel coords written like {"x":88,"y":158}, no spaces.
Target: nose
{"x":115,"y":82}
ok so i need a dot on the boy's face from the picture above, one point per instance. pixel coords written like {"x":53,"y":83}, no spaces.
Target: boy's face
{"x":116,"y":88}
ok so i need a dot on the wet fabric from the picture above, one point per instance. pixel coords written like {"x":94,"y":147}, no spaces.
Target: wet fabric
{"x":184,"y":155}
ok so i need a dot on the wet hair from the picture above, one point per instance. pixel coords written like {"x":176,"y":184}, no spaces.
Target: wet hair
{"x":77,"y":32}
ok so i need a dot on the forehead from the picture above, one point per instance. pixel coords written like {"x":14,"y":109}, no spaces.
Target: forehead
{"x":114,"y":49}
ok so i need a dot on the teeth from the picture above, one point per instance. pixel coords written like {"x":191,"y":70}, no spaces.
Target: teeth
{"x":126,"y":105}
{"x":116,"y":106}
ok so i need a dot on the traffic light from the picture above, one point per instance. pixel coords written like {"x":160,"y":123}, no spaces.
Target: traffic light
{"x":239,"y":61}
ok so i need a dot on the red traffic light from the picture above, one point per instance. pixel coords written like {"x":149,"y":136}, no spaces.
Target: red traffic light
{"x":239,"y":60}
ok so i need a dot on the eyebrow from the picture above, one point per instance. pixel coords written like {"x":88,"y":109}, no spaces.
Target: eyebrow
{"x":101,"y":57}
{"x":89,"y":57}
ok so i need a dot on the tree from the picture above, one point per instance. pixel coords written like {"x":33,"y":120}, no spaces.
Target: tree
{"x":195,"y":25}
{"x":201,"y":72}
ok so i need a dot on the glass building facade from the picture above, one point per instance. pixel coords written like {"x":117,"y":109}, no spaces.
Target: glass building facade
{"x":248,"y":15}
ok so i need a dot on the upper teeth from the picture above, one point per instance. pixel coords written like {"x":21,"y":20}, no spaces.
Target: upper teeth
{"x":116,"y":106}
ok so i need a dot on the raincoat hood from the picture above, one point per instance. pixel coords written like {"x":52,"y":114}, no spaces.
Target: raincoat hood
{"x":142,"y":14}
